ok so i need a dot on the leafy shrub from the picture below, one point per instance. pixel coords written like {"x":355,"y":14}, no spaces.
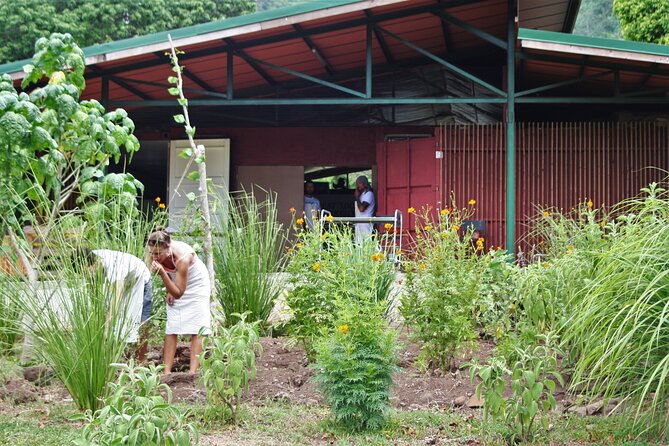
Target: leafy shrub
{"x":228,"y":362}
{"x":136,"y":412}
{"x":533,"y":382}
{"x":443,"y":286}
{"x":326,"y":268}
{"x":247,"y":254}
{"x":355,"y":364}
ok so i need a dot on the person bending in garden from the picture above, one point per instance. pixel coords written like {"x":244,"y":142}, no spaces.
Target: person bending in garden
{"x":132,"y":279}
{"x":188,"y":295}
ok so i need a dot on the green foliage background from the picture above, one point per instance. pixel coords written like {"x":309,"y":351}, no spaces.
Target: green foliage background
{"x":596,"y":19}
{"x":22,"y":22}
{"x":644,"y":20}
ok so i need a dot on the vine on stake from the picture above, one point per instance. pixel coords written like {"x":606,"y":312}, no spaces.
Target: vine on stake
{"x":194,"y":153}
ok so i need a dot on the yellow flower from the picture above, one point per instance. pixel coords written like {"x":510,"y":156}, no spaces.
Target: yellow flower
{"x":316,"y":267}
{"x":445,"y":211}
{"x":423,"y":266}
{"x":547,"y":265}
{"x":589,"y":203}
{"x":428,"y":228}
{"x":472,"y":202}
{"x":157,"y":200}
{"x":411,"y":210}
{"x":375,"y":257}
{"x":381,"y":256}
{"x":388,"y":226}
{"x":299,"y":221}
{"x":298,"y":245}
{"x":343,"y":329}
{"x":570,"y":247}
{"x":329,"y":218}
{"x":291,"y":210}
{"x":602,"y":223}
{"x":546,"y":213}
{"x":456,"y":227}
{"x":398,"y":252}
{"x":161,"y":206}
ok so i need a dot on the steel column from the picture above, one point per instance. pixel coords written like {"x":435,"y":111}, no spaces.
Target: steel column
{"x":368,"y":63}
{"x":511,"y":127}
{"x":229,"y":84}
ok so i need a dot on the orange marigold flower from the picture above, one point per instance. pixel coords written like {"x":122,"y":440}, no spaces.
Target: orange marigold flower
{"x":157,"y":200}
{"x":343,"y":329}
{"x":161,"y":206}
{"x":291,"y":210}
{"x":546,"y":213}
{"x":299,"y":221}
{"x":375,"y":257}
{"x":316,"y":267}
{"x":472,"y":202}
{"x":411,"y":210}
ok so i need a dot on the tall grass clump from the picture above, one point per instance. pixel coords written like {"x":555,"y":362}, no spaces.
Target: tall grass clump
{"x":77,"y":321}
{"x":618,"y":331}
{"x":10,"y":316}
{"x":247,"y":254}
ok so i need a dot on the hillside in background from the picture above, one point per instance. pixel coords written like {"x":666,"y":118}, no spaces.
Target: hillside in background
{"x":596,"y":19}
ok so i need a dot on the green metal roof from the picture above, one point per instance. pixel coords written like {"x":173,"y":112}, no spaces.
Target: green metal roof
{"x":593,"y":42}
{"x":195,"y":30}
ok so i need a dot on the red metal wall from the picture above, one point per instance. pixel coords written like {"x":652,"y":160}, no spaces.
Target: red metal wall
{"x":557,"y":165}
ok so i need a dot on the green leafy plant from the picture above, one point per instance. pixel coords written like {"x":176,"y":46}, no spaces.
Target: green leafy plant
{"x":443,"y":285}
{"x":248,"y":256}
{"x":532,"y":382}
{"x":330,"y":266}
{"x":138,"y":411}
{"x":355,"y":364}
{"x":228,"y":362}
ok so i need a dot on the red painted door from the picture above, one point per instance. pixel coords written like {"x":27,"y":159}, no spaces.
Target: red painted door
{"x":407,"y":176}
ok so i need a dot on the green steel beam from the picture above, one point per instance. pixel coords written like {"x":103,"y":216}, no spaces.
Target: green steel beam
{"x":382,"y":41}
{"x":231,"y":44}
{"x":104,"y":94}
{"x":314,"y":49}
{"x":593,"y":100}
{"x":368,"y":62}
{"x":306,"y":77}
{"x":470,"y":28}
{"x":511,"y":127}
{"x":306,"y":101}
{"x":445,"y":63}
{"x":166,"y":86}
{"x":229,"y":75}
{"x":126,"y":86}
{"x":561,"y":84}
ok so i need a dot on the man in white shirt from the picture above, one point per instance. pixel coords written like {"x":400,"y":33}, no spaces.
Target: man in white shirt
{"x":312,"y":205}
{"x":365,"y":206}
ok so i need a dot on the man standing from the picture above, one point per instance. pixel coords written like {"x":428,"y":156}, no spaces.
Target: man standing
{"x":365,"y":206}
{"x":312,"y":205}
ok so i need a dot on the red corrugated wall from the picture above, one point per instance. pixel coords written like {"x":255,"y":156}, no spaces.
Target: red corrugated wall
{"x":557,"y":165}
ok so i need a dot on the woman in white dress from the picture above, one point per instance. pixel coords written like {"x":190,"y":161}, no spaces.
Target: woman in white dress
{"x":188,"y":295}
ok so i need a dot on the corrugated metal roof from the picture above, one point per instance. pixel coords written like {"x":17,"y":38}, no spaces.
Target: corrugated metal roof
{"x":612,"y":45}
{"x":548,"y":15}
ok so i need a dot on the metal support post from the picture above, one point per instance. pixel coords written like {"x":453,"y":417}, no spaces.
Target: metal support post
{"x":511,"y":127}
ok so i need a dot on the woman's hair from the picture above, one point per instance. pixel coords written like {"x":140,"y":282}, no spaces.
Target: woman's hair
{"x":158,"y":237}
